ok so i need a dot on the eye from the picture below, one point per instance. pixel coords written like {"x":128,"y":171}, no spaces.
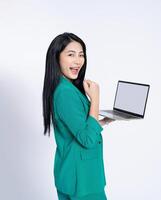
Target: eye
{"x":71,"y":54}
{"x":82,"y":55}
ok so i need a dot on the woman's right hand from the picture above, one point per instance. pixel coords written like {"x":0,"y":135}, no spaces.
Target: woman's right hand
{"x":92,"y":89}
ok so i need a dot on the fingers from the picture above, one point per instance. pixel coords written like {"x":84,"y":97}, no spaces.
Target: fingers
{"x":90,"y":82}
{"x":109,"y":119}
{"x":87,"y":82}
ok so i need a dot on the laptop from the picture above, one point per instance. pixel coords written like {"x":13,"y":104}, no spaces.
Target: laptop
{"x":130,"y":101}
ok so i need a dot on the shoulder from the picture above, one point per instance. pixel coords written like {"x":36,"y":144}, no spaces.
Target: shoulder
{"x":64,"y":92}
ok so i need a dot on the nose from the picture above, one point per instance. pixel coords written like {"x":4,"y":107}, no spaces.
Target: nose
{"x":77,"y":60}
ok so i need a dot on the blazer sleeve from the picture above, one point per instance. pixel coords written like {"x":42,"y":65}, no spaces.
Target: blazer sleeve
{"x":85,"y":128}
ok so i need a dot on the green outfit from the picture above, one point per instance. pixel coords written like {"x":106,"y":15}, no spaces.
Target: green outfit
{"x":78,"y":162}
{"x":95,"y":196}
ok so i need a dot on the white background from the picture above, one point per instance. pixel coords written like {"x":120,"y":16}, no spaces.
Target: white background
{"x":123,"y":41}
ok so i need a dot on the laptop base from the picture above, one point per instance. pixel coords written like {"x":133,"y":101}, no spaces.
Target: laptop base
{"x":112,"y":114}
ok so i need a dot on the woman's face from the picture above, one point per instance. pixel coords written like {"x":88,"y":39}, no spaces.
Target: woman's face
{"x":71,"y":60}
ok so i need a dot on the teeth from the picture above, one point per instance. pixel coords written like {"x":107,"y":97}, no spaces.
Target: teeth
{"x":74,"y":69}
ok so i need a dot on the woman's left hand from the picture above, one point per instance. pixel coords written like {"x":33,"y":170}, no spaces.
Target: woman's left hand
{"x":108,"y":120}
{"x":105,"y":121}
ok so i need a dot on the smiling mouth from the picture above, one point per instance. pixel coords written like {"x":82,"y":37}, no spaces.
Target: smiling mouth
{"x":74,"y":70}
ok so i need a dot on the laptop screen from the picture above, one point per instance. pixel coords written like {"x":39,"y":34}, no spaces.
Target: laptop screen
{"x":131,"y":97}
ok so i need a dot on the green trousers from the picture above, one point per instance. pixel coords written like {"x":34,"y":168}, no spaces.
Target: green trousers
{"x":96,"y":196}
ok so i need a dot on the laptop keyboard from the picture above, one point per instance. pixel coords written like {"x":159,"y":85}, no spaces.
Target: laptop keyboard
{"x":120,"y":114}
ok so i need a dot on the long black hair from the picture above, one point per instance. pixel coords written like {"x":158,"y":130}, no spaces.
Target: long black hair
{"x":53,"y":73}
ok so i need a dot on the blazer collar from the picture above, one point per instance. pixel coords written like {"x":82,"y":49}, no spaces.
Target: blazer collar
{"x":64,"y":80}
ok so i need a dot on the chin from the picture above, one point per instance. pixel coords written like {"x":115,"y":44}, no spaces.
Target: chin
{"x":73,"y":77}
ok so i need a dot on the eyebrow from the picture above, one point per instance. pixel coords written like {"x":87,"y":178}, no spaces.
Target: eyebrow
{"x":73,"y":51}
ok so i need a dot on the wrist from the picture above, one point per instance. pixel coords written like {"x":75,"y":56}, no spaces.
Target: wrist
{"x":95,"y":100}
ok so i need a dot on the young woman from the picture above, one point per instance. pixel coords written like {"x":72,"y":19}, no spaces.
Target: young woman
{"x":78,"y":163}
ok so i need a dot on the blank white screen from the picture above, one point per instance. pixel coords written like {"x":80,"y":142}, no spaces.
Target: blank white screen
{"x":131,"y":97}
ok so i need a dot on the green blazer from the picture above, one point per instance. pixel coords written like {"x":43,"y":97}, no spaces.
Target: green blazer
{"x":78,"y":162}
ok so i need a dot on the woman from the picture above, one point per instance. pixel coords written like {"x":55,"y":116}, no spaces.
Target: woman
{"x":78,"y":163}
